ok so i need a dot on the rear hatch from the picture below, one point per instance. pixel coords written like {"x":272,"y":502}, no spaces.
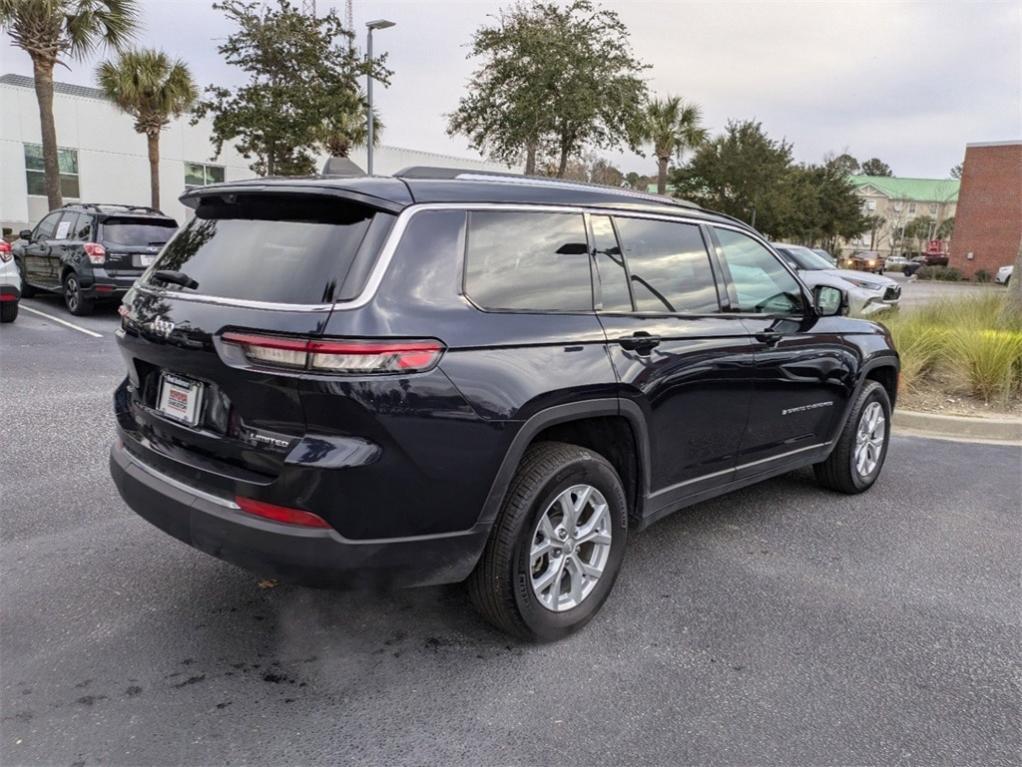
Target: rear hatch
{"x":132,"y":242}
{"x":265,"y":264}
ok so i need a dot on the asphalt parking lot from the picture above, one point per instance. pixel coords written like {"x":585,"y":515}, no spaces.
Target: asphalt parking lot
{"x":916,"y":292}
{"x":779,"y":625}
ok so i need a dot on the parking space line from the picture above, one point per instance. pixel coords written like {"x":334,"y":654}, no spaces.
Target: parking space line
{"x":71,"y":325}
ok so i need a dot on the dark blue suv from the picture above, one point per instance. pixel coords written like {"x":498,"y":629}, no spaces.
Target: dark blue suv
{"x":441,"y":377}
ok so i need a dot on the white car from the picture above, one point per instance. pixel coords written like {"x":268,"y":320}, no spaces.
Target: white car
{"x":1003,"y":276}
{"x":867,"y":293}
{"x":10,"y":284}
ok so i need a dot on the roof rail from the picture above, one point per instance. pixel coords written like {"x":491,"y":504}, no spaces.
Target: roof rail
{"x":498,"y":177}
{"x":104,"y":207}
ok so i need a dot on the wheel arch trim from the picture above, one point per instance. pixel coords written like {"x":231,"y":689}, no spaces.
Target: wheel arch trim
{"x":558,"y":414}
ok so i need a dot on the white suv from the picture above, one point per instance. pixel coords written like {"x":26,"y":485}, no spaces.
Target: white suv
{"x":10,"y":284}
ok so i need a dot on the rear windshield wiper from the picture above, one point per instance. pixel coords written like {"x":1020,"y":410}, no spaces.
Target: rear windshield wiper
{"x":177,"y":278}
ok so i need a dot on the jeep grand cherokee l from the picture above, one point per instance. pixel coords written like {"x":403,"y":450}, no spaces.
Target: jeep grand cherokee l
{"x":419,"y":380}
{"x":89,"y":252}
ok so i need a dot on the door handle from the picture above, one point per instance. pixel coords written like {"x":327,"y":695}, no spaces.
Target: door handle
{"x":768,"y":337}
{"x":640,"y":341}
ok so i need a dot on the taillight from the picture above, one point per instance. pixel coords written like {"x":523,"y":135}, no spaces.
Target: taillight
{"x":95,"y":252}
{"x":277,"y":513}
{"x":355,"y":356}
{"x":5,"y":251}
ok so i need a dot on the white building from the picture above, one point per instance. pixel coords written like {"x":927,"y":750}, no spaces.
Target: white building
{"x":103,"y":159}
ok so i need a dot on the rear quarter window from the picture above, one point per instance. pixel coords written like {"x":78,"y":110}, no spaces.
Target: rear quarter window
{"x":528,"y":261}
{"x":291,"y":249}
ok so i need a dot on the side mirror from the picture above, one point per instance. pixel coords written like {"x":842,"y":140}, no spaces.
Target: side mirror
{"x":25,"y":234}
{"x":829,"y":301}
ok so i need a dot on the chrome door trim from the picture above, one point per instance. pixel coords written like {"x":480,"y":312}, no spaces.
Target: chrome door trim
{"x":736,"y":469}
{"x":394,"y":239}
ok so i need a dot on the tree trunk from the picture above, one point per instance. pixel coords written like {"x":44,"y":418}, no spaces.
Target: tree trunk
{"x":1013,"y":300}
{"x":562,"y":166}
{"x":530,"y":159}
{"x":153,"y":140}
{"x":44,"y":95}
{"x":661,"y":175}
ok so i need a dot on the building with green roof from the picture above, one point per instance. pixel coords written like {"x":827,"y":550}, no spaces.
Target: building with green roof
{"x":892,"y":202}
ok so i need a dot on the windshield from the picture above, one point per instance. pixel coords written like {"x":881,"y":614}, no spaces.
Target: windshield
{"x":131,"y":232}
{"x":806,"y":259}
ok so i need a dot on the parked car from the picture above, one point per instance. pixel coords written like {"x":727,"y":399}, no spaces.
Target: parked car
{"x":1003,"y":275}
{"x":90,"y":252}
{"x":825,"y":254}
{"x":933,"y":259}
{"x":864,"y":261}
{"x":10,"y":284}
{"x":867,"y":294}
{"x":425,"y":380}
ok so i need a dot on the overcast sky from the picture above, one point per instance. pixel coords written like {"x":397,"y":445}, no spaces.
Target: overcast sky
{"x":910,"y":83}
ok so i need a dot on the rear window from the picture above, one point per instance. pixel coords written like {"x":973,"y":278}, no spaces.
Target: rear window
{"x":528,"y":261}
{"x":129,"y":232}
{"x":282,"y":249}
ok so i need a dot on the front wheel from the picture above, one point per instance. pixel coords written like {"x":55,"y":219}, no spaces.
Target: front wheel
{"x":855,"y":463}
{"x":556,"y":547}
{"x":76,"y":303}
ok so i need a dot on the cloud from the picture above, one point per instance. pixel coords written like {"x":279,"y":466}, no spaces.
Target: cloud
{"x":911,"y":83}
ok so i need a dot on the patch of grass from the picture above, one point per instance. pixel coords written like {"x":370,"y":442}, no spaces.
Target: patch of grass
{"x":974,"y":342}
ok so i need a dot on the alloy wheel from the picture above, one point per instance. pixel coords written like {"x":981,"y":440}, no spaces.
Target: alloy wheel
{"x":72,"y":293}
{"x":570,"y":547}
{"x":869,"y":439}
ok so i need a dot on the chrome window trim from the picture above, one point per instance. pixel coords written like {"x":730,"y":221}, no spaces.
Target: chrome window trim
{"x":397,"y":233}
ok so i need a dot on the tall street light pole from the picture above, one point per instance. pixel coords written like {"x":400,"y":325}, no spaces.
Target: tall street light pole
{"x":378,"y":24}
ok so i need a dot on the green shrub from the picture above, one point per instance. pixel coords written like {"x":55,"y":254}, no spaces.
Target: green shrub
{"x":974,"y":342}
{"x":942,"y":273}
{"x":982,"y":275}
{"x":990,"y":361}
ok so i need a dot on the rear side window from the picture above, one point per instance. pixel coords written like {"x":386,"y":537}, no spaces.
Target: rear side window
{"x":669,"y":266}
{"x":83,"y":229}
{"x":528,"y":261}
{"x":292,"y":249}
{"x":66,"y":228}
{"x":134,"y":232}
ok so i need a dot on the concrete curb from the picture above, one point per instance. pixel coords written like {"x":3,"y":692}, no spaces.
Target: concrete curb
{"x":959,"y":427}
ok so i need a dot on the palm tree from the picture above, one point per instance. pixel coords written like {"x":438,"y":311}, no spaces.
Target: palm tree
{"x":48,"y":30}
{"x":671,"y":126}
{"x":349,"y":129}
{"x":152,"y":88}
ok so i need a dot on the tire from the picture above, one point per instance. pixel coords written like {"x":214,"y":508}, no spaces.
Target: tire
{"x":841,"y":471}
{"x":502,"y":585}
{"x":27,"y":291}
{"x":9,"y":311}
{"x":76,"y":303}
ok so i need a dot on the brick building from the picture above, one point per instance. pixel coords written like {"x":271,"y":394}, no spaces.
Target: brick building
{"x":988,"y":222}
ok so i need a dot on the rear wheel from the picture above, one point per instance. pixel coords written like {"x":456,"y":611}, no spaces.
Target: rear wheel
{"x":859,"y":455}
{"x":9,"y":311}
{"x":27,"y":291}
{"x":556,"y":547}
{"x":76,"y":303}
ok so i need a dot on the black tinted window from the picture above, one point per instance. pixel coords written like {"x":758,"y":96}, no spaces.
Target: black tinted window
{"x":532,"y":261}
{"x":132,"y":232}
{"x":610,"y":264}
{"x":83,"y":229}
{"x":762,"y":284}
{"x":669,"y":266}
{"x":282,"y":249}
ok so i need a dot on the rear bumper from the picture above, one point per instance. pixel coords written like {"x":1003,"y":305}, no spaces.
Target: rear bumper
{"x":106,"y":284}
{"x":302,"y":555}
